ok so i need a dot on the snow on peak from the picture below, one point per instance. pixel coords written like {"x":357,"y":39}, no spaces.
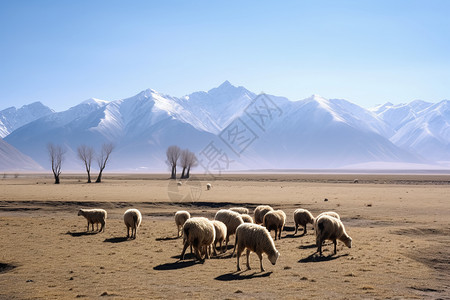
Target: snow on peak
{"x":95,"y":101}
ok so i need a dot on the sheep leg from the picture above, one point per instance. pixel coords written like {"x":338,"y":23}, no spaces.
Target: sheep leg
{"x":87,"y":226}
{"x":335,"y":242}
{"x":296,"y":228}
{"x":214,"y":249}
{"x":92,"y":226}
{"x":248,"y":262}
{"x":319,"y":245}
{"x":260,"y":261}
{"x":102,"y":228}
{"x":186,"y":244}
{"x":304,"y":230}
{"x":279,"y":233}
{"x":221,"y":247}
{"x":239,"y":252}
{"x":128,"y":232}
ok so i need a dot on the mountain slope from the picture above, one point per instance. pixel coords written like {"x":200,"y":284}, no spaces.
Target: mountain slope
{"x":12,"y":159}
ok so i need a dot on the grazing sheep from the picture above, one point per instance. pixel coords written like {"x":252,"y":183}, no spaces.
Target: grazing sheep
{"x":328,"y":213}
{"x":94,"y":216}
{"x":198,"y":232}
{"x":221,"y":234}
{"x":180,"y":217}
{"x":231,"y":219}
{"x":255,"y":238}
{"x":330,"y":228}
{"x":260,"y":211}
{"x":247,"y":218}
{"x":275,"y":220}
{"x":301,"y":218}
{"x":132,"y":219}
{"x":208,"y":186}
{"x":241,"y":210}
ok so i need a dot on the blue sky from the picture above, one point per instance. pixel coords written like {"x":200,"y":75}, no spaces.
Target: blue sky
{"x":368,"y":52}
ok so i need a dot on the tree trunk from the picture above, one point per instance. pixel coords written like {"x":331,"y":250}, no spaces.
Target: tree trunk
{"x":174,"y":172}
{"x":56,"y":179}
{"x":188,"y":171}
{"x":183,"y":173}
{"x":99,"y":177}
{"x":89,"y":177}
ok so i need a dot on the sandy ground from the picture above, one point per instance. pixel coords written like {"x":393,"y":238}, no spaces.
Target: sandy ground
{"x":400,"y":225}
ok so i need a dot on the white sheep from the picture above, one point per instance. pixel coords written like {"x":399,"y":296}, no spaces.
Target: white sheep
{"x":208,"y":186}
{"x":241,"y":210}
{"x":180,"y":217}
{"x":179,"y":183}
{"x":247,"y":218}
{"x":132,"y":219}
{"x":275,"y":220}
{"x":260,"y":211}
{"x":328,"y":213}
{"x":330,"y":228}
{"x":198,"y":232}
{"x":301,"y":218}
{"x":94,"y":216}
{"x":221,"y":234}
{"x":255,"y":238}
{"x":231,"y":219}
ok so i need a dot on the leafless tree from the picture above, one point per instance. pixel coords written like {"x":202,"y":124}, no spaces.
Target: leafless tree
{"x":188,"y":160}
{"x":86,"y":155}
{"x":56,"y":154}
{"x":173,"y":154}
{"x":102,"y":159}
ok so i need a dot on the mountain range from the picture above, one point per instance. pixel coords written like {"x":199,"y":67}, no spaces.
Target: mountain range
{"x":231,"y":128}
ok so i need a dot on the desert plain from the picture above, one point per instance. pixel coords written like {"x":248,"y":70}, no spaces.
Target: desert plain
{"x":399,"y":223}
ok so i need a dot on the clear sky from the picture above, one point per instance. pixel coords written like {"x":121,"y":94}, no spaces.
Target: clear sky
{"x":368,"y":52}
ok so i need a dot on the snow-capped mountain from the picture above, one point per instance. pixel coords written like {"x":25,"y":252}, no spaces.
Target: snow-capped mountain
{"x":12,"y":159}
{"x":13,"y":118}
{"x":246,"y":130}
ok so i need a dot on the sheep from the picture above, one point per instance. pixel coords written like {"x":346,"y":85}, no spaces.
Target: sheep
{"x":328,"y":213}
{"x":275,"y":220}
{"x":231,"y":219}
{"x":260,"y":211}
{"x":221,"y":233}
{"x":198,"y":232}
{"x":94,"y":216}
{"x":208,"y":186}
{"x":132,"y":219}
{"x":241,"y":210}
{"x":179,"y":183}
{"x":255,"y":238}
{"x":180,"y":217}
{"x":247,"y":218}
{"x":302,"y":217}
{"x":330,"y":228}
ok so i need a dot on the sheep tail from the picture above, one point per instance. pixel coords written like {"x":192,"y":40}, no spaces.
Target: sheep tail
{"x":135,"y":219}
{"x":320,"y":227}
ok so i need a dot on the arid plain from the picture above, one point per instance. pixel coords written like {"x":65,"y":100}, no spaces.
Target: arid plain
{"x":400,"y":225}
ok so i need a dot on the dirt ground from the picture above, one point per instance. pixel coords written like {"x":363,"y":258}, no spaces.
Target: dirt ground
{"x":400,"y":225}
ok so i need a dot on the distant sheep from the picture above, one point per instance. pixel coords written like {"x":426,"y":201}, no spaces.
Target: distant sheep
{"x":247,"y":218}
{"x":198,"y":232}
{"x":208,"y":186}
{"x":275,"y":220}
{"x":179,"y":183}
{"x":94,"y":216}
{"x":260,"y":211}
{"x":180,"y":217}
{"x":221,"y":234}
{"x":231,"y":219}
{"x":132,"y":219}
{"x":241,"y":210}
{"x":255,"y":238}
{"x":301,"y":218}
{"x":330,"y":228}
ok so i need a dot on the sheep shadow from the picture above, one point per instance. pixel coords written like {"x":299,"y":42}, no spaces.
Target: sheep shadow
{"x":115,"y":240}
{"x":81,"y":233}
{"x":238,"y":276}
{"x":293,"y":236}
{"x":179,"y":264}
{"x":315,"y":257}
{"x":310,"y":246}
{"x":168,"y":238}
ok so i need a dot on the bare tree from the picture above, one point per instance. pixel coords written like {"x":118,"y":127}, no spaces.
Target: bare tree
{"x":188,"y":160}
{"x":56,"y":154}
{"x":86,"y":154}
{"x":192,"y":162}
{"x":102,"y":159}
{"x":173,"y":153}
